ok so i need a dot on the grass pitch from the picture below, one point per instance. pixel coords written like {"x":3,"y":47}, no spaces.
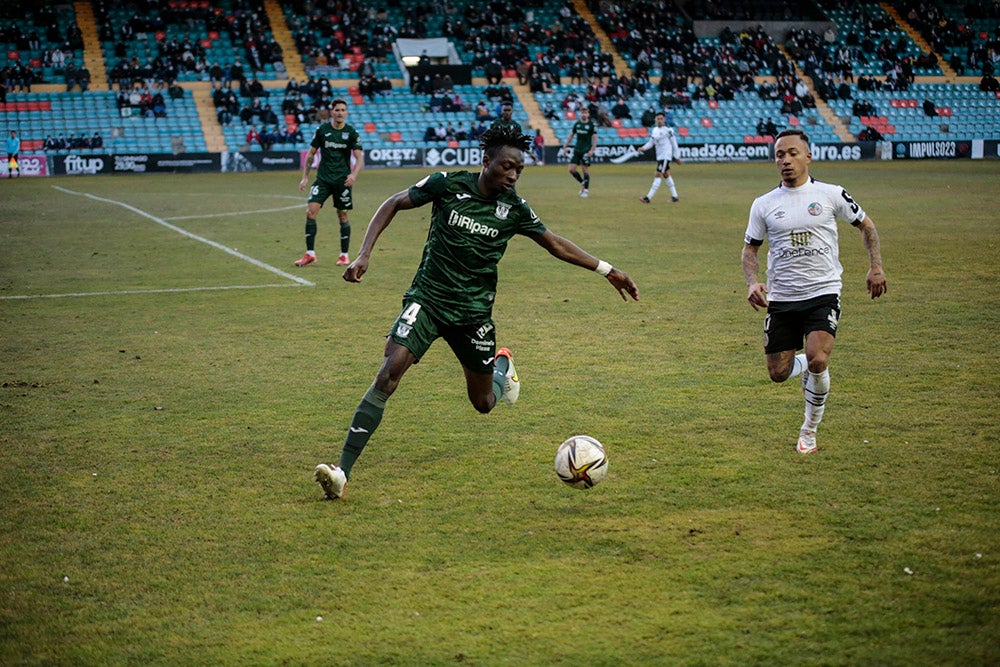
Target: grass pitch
{"x":169,"y":381}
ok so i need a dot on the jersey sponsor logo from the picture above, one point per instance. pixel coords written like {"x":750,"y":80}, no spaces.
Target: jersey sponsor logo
{"x":801,"y":238}
{"x":334,"y":144}
{"x":503,"y":210}
{"x":455,"y":219}
{"x":789,"y":253}
{"x":815,"y":208}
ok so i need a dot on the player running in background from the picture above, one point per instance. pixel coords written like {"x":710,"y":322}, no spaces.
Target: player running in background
{"x":585,"y":131}
{"x":802,"y":295}
{"x":337,"y":142}
{"x":665,"y":140}
{"x":506,"y":118}
{"x":473,"y":216}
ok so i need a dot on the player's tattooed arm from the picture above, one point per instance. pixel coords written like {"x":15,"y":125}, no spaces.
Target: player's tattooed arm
{"x":756,"y":290}
{"x":876,"y":282}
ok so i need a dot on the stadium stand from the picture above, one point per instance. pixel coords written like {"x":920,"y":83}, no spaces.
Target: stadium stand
{"x":41,"y":45}
{"x":39,"y":116}
{"x":723,"y":87}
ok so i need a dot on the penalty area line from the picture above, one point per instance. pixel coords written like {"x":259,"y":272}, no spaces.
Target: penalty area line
{"x":184,"y":232}
{"x":168,"y":290}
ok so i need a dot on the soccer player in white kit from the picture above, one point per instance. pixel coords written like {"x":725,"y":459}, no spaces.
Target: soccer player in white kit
{"x":802,"y":295}
{"x":665,"y":140}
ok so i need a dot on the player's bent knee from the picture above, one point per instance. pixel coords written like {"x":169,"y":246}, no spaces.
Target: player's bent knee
{"x":779,"y":376}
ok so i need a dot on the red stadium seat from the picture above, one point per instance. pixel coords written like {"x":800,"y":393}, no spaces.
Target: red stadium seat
{"x":13,"y":55}
{"x":570,"y":115}
{"x":706,"y":122}
{"x":395,"y":136}
{"x":358,"y":100}
{"x":617,"y":122}
{"x":713,"y":104}
{"x":683,"y":131}
{"x":369,"y":127}
{"x":793,"y":121}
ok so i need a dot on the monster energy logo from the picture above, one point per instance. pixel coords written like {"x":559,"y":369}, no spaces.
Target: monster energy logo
{"x":801,"y":238}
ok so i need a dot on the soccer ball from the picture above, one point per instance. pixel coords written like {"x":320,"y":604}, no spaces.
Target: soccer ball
{"x":581,"y":462}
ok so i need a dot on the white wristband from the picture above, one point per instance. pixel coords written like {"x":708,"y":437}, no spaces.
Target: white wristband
{"x":603,"y":268}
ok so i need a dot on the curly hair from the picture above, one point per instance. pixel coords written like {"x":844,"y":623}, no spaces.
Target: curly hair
{"x":499,"y":136}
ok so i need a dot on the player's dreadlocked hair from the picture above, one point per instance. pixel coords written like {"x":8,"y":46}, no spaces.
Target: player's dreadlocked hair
{"x":504,"y":135}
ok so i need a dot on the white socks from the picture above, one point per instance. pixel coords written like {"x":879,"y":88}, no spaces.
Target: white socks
{"x":670,"y":184}
{"x":799,"y":366}
{"x":654,"y":187}
{"x":816,"y":387}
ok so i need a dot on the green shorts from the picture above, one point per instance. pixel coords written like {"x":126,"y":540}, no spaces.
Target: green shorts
{"x":473,"y":344}
{"x":581,"y":158}
{"x":323,"y":190}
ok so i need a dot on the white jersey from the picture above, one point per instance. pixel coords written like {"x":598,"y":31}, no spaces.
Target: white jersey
{"x":800,"y":225}
{"x":665,"y":141}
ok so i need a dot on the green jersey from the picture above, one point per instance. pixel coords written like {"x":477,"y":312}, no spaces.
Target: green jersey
{"x":335,"y":149}
{"x":584,"y":135}
{"x":468,"y":235}
{"x":499,"y":122}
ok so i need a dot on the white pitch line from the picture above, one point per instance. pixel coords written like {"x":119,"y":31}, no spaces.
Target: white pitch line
{"x":172,"y":290}
{"x":184,"y":232}
{"x":224,"y":215}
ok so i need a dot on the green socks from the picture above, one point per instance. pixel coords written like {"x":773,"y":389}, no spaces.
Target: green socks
{"x":310,"y":234}
{"x":366,"y":419}
{"x":500,"y":366}
{"x":345,"y":237}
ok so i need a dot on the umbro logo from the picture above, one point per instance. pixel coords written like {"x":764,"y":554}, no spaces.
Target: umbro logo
{"x":463,"y":196}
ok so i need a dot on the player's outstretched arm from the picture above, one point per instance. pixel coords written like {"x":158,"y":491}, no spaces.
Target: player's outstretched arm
{"x":571,"y":253}
{"x":383,"y":216}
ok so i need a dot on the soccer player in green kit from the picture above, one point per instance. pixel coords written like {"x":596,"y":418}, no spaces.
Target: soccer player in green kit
{"x":472,"y":218}
{"x":336,"y":142}
{"x":585,"y":131}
